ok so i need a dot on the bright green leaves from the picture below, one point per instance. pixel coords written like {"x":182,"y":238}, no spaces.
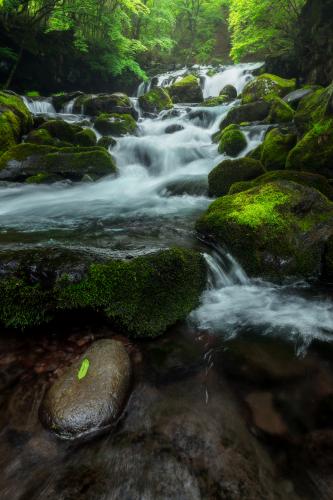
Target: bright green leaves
{"x":82,"y":373}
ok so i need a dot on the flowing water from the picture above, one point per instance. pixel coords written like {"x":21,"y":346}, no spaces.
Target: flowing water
{"x":249,"y":344}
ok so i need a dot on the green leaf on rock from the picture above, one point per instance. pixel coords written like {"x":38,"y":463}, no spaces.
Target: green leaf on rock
{"x":83,"y":369}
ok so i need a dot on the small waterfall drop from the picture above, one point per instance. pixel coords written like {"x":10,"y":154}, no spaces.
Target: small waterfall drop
{"x":234,"y":304}
{"x":39,"y":106}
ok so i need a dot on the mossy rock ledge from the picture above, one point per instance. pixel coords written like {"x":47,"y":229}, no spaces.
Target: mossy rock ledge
{"x":26,"y":161}
{"x":275,"y":230}
{"x":141,"y":296}
{"x":60,"y":133}
{"x":186,"y":90}
{"x":267,"y":85}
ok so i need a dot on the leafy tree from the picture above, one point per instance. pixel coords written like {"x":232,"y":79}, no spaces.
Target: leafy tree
{"x":263,"y":27}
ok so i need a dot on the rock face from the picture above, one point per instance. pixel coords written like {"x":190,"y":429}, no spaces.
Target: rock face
{"x":15,"y":120}
{"x":275,"y":230}
{"x":31,"y":162}
{"x":267,"y":85}
{"x":186,"y":90}
{"x":156,"y":100}
{"x":228,"y":172}
{"x":141,"y":296}
{"x":90,"y":396}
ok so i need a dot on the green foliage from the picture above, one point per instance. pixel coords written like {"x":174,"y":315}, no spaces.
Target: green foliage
{"x":82,"y":373}
{"x":263,"y":27}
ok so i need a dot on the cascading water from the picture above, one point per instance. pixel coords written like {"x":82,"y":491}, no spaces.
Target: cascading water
{"x":160,"y":190}
{"x":40,"y":106}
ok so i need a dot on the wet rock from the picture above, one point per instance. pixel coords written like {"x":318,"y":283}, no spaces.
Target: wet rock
{"x":40,"y":163}
{"x":106,"y":142}
{"x":232,"y":141}
{"x":314,"y":108}
{"x":276,"y":147}
{"x":264,"y":414}
{"x":115,"y":124}
{"x":156,"y":100}
{"x":228,"y":172}
{"x":267,"y":85}
{"x":293,"y":98}
{"x":186,"y":90}
{"x":253,"y":112}
{"x":171,"y":129}
{"x":104,"y":103}
{"x":90,"y":396}
{"x":278,"y":229}
{"x":230,"y":91}
{"x":15,"y":120}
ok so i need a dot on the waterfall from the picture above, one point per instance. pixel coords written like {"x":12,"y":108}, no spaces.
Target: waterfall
{"x":39,"y":106}
{"x":233,"y":304}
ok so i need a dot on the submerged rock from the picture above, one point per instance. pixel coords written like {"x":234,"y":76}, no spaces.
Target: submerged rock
{"x":276,"y":230}
{"x":186,"y":90}
{"x":171,"y":129}
{"x":90,"y":396}
{"x":156,"y":100}
{"x":267,"y":85}
{"x":314,"y":152}
{"x":228,"y":172}
{"x":28,"y":160}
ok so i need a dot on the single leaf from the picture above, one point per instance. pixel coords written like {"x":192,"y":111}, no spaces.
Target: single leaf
{"x":83,"y":369}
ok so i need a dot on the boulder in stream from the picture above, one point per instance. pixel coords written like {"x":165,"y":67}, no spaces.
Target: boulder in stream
{"x":275,"y":148}
{"x":156,"y":100}
{"x":253,"y":112}
{"x":90,"y":396}
{"x":15,"y":120}
{"x":267,"y":85}
{"x":275,"y":230}
{"x":227,"y":172}
{"x":94,"y":105}
{"x":25,"y":162}
{"x":115,"y":124}
{"x":187,"y":90}
{"x":232,"y":141}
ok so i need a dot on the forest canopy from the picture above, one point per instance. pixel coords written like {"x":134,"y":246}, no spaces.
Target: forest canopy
{"x":121,"y":37}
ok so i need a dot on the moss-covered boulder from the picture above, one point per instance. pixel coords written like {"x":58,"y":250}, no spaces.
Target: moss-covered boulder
{"x":15,"y":120}
{"x":314,"y":153}
{"x":315,"y":181}
{"x":267,"y":85}
{"x":115,"y":124}
{"x":105,"y":103}
{"x":275,"y":230}
{"x":254,"y":112}
{"x":275,"y":148}
{"x":186,"y":90}
{"x":141,"y":296}
{"x":232,"y":141}
{"x":106,"y":142}
{"x":61,"y":134}
{"x":26,"y":160}
{"x":228,"y":172}
{"x":156,"y":100}
{"x":85,"y":138}
{"x":280,"y":112}
{"x":230,"y":91}
{"x":314,"y":108}
{"x":216,"y":101}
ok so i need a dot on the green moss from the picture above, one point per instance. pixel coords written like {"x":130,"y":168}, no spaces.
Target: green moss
{"x":15,"y":120}
{"x":313,"y":108}
{"x":15,"y":104}
{"x":275,"y":149}
{"x":69,"y":162}
{"x":267,"y":85}
{"x":228,"y":172}
{"x":142,"y":296}
{"x":188,"y":80}
{"x":43,"y":137}
{"x":40,"y":178}
{"x":266,"y":230}
{"x":186,"y":90}
{"x":314,"y":153}
{"x":61,"y":130}
{"x":328,"y":260}
{"x":304,"y":178}
{"x":216,"y":101}
{"x":85,"y":137}
{"x":232,"y":141}
{"x":280,"y":112}
{"x":106,"y":142}
{"x":33,"y":93}
{"x":156,"y":100}
{"x":115,"y":124}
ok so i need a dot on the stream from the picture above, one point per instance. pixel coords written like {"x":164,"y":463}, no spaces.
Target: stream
{"x":254,"y":353}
